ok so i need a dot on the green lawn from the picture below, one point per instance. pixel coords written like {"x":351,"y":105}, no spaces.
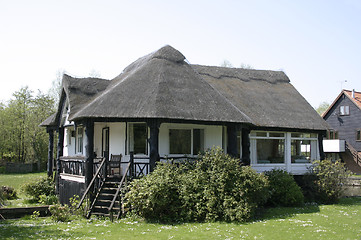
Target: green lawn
{"x":339,"y":221}
{"x":16,"y":180}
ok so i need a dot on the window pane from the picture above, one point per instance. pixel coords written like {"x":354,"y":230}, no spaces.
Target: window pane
{"x":180,"y":141}
{"x":300,"y":151}
{"x":198,"y":141}
{"x":138,"y":138}
{"x":261,"y":134}
{"x":358,"y":135}
{"x":296,"y":135}
{"x":272,"y":134}
{"x":80,"y":140}
{"x":270,"y":150}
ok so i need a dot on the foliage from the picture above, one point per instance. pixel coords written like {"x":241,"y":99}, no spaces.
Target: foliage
{"x":214,"y":188}
{"x":66,"y":213}
{"x":21,"y":138}
{"x":284,"y":190}
{"x":322,"y":107}
{"x":8,"y":193}
{"x":326,"y":180}
{"x":48,"y":199}
{"x":60,"y":213}
{"x":39,"y":188}
{"x":155,"y":196}
{"x":35,"y":215}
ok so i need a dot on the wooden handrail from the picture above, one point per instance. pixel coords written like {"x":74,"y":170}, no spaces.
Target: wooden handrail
{"x":91,"y":183}
{"x":356,"y":155}
{"x":119,"y":187}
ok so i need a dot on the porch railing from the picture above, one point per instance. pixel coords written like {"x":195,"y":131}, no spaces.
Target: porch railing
{"x":74,"y":165}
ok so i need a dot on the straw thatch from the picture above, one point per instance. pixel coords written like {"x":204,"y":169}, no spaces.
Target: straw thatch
{"x":163,"y":85}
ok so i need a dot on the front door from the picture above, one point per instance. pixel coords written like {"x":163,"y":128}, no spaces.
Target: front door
{"x":105,"y":143}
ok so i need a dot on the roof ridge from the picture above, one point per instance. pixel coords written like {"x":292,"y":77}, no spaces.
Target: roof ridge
{"x":229,"y":102}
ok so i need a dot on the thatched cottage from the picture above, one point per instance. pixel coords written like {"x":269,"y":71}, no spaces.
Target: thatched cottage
{"x":162,"y":107}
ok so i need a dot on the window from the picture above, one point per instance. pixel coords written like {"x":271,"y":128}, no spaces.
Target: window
{"x":344,"y":110}
{"x":358,"y":135}
{"x":138,"y":135}
{"x":186,"y":141}
{"x":79,"y":141}
{"x":269,"y":147}
{"x":303,"y":147}
{"x":332,"y":134}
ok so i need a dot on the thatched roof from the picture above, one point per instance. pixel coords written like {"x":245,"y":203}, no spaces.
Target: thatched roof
{"x":163,"y":85}
{"x":266,"y":97}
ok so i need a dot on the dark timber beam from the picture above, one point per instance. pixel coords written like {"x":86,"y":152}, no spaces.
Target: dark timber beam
{"x":50,"y":152}
{"x":89,"y":151}
{"x":59,"y":153}
{"x":246,"y":160}
{"x":153,"y":125}
{"x":320,"y":146}
{"x":232,"y":140}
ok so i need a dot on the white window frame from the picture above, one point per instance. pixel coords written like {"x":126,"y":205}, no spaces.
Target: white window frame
{"x":313,"y":145}
{"x":192,"y":136}
{"x":129,"y":138}
{"x":79,"y":145}
{"x":344,"y":110}
{"x":253,"y":141}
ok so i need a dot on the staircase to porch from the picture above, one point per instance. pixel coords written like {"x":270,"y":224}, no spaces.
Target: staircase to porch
{"x":108,"y":200}
{"x":110,"y":184}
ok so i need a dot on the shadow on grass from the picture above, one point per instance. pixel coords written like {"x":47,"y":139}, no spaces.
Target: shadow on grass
{"x":285,"y":212}
{"x":12,"y":230}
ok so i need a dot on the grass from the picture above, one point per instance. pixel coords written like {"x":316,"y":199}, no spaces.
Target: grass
{"x":338,"y":221}
{"x":16,"y":180}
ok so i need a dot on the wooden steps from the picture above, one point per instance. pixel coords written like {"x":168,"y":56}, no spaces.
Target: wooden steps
{"x":104,"y":198}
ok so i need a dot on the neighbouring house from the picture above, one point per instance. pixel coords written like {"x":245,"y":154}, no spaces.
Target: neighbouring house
{"x":344,"y":136}
{"x":161,"y":107}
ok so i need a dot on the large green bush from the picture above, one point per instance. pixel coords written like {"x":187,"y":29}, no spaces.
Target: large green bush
{"x":284,"y":190}
{"x":216,"y":187}
{"x":325,"y":181}
{"x":156,"y":195}
{"x":39,"y":188}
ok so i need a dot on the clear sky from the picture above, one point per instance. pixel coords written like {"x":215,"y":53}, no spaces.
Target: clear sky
{"x":315,"y":42}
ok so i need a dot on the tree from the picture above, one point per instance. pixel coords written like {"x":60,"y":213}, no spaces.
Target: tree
{"x":226,"y":63}
{"x":21,"y":138}
{"x":322,"y":108}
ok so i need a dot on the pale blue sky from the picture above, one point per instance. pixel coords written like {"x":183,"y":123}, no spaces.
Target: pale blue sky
{"x":316,"y":43}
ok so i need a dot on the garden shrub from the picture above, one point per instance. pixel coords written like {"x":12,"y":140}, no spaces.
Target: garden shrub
{"x":284,"y":190}
{"x":326,"y":180}
{"x":8,"y":193}
{"x":38,"y":187}
{"x":60,"y":213}
{"x":156,"y":196}
{"x":216,"y":187}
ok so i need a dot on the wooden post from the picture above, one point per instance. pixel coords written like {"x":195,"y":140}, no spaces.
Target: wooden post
{"x":89,"y":151}
{"x":232,"y":140}
{"x":153,"y":125}
{"x":132,"y":170}
{"x":50,"y":152}
{"x":320,"y":146}
{"x":246,"y":160}
{"x":58,"y":155}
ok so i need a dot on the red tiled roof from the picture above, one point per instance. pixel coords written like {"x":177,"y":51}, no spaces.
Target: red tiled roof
{"x":357,"y":98}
